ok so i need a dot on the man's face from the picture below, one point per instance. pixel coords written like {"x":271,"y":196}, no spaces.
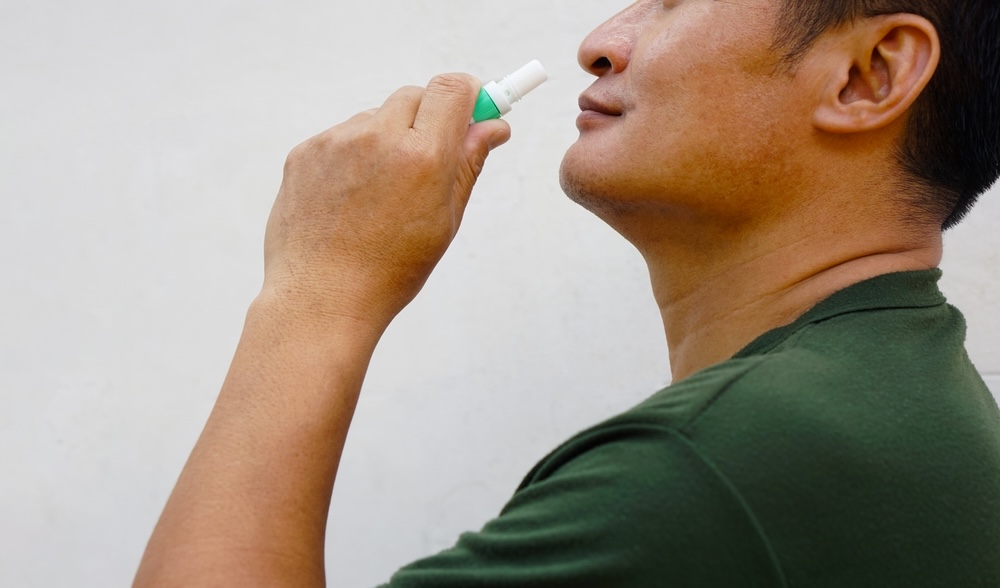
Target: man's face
{"x":690,"y":113}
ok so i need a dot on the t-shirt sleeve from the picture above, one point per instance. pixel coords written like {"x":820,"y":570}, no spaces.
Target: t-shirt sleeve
{"x":621,"y":505}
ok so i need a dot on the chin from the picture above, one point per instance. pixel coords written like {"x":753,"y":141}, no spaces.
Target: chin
{"x":588,"y":184}
{"x":577,"y":179}
{"x":582,"y":174}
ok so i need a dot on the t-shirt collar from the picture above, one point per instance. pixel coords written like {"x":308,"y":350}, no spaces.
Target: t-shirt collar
{"x":914,"y":289}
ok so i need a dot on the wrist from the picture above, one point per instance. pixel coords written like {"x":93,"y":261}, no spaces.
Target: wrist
{"x":286,"y":351}
{"x":296,"y":314}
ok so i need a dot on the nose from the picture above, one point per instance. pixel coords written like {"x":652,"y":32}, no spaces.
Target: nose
{"x":608,"y":48}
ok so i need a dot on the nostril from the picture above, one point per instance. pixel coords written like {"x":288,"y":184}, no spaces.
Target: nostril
{"x":601,"y":64}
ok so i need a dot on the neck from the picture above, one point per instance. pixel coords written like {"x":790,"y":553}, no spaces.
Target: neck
{"x":716,"y":296}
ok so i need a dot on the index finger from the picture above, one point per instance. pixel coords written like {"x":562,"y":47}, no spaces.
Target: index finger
{"x":447,"y":105}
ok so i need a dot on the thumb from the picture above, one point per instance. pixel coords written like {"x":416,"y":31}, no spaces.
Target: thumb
{"x":483,"y":138}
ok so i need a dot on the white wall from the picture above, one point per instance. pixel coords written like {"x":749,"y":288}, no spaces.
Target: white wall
{"x":141,"y":145}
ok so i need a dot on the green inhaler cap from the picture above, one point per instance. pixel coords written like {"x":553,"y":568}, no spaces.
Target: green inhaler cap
{"x":497,"y":98}
{"x":486,"y":109}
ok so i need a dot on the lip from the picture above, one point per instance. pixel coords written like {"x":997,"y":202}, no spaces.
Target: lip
{"x":594,"y":111}
{"x":592,"y":104}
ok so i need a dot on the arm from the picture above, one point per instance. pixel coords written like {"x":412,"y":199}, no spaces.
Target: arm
{"x":364,"y":213}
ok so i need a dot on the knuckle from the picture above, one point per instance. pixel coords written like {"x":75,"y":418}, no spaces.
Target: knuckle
{"x":364,"y":139}
{"x":454,"y":83}
{"x":296,"y":155}
{"x":339,"y":141}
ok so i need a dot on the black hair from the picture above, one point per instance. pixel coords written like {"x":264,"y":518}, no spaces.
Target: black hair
{"x":950,"y":153}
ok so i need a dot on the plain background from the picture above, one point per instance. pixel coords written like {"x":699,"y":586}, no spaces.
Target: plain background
{"x":141,"y":145}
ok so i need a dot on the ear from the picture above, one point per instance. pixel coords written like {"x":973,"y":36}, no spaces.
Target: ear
{"x":878,"y":66}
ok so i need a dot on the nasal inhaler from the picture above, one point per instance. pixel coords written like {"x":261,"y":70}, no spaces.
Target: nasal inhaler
{"x":497,"y":98}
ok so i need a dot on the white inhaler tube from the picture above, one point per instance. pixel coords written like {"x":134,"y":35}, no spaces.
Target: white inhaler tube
{"x":497,"y":98}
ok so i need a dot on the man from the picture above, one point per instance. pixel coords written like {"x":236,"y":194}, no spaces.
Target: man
{"x":785,"y":167}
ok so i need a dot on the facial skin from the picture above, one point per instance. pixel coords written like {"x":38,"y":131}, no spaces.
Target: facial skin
{"x":701,"y":121}
{"x":752,"y":190}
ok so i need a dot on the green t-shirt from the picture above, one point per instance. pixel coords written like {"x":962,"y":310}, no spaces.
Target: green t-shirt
{"x":857,"y":447}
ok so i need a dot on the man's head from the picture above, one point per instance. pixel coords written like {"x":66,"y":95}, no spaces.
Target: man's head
{"x":729,"y":111}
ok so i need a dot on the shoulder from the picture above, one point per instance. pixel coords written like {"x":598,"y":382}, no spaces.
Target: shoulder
{"x":623,"y":504}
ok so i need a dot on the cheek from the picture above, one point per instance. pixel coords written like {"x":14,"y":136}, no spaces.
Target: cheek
{"x":699,"y":143}
{"x":685,"y":102}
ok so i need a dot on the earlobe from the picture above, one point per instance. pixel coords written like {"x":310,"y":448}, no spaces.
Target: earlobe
{"x":884,"y":64}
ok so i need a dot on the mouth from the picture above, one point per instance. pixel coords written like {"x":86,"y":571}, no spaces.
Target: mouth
{"x":596,"y":113}
{"x":590,"y":104}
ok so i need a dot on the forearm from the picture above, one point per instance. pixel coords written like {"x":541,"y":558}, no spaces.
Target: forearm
{"x":365,"y":211}
{"x":250,"y":507}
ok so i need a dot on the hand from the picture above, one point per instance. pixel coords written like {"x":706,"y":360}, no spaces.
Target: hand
{"x":364,"y":213}
{"x":367,"y":209}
